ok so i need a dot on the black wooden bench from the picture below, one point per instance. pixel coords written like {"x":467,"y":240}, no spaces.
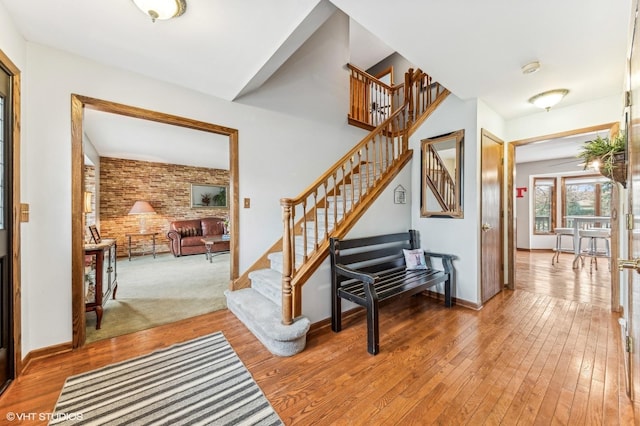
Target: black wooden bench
{"x":368,"y":270}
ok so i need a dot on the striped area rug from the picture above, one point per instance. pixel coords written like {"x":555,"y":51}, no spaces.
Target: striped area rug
{"x":199,"y":382}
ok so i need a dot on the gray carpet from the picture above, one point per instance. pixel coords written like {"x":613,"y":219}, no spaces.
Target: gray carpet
{"x":199,"y":382}
{"x":157,"y":291}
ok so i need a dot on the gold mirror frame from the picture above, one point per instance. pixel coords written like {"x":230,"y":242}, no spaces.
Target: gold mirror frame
{"x":441,"y":175}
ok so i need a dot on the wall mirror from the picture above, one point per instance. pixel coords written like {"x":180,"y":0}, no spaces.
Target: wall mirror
{"x":441,"y":175}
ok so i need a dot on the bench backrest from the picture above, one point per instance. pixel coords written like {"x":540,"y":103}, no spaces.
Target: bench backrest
{"x":373,"y":254}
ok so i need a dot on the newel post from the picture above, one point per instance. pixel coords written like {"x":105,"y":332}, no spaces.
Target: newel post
{"x":287,"y":270}
{"x":408,"y":88}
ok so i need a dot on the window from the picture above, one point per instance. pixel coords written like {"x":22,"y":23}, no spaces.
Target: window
{"x":587,"y":196}
{"x":544,"y":205}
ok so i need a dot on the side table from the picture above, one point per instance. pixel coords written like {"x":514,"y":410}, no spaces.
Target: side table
{"x":209,"y":242}
{"x":143,"y":234}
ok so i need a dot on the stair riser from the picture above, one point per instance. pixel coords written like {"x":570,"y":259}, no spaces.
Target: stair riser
{"x":270,"y":290}
{"x":277,"y":265}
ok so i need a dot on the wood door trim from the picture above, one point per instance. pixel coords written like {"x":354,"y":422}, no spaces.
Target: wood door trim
{"x":78,"y":103}
{"x":612,"y":127}
{"x":605,"y":126}
{"x":16,"y":263}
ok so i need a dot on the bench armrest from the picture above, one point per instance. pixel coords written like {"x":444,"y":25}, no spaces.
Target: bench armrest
{"x":353,"y":273}
{"x":442,"y":255}
{"x":447,"y":260}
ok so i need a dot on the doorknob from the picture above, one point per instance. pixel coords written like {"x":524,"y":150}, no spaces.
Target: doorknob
{"x":629,"y":264}
{"x":485,"y":227}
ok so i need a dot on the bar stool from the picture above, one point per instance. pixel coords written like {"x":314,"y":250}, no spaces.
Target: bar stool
{"x":593,"y":235}
{"x":560,"y":232}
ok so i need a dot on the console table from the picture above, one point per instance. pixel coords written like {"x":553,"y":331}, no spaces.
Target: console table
{"x":99,"y":276}
{"x":143,"y":234}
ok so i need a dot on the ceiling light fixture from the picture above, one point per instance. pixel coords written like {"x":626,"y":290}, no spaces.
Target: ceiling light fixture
{"x":546,"y":100}
{"x":161,"y":9}
{"x":531,"y":67}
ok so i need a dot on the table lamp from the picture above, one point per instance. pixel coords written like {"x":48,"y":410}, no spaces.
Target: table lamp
{"x":142,"y":208}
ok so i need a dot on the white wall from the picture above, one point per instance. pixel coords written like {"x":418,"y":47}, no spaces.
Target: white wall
{"x":398,"y":62}
{"x":455,"y":236}
{"x":274,"y":158}
{"x":11,"y":42}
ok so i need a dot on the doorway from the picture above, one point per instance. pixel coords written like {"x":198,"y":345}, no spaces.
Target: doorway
{"x":10,"y":324}
{"x":519,"y":189}
{"x":79,"y":103}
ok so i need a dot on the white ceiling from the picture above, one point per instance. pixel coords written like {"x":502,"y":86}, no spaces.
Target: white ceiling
{"x":226,"y":48}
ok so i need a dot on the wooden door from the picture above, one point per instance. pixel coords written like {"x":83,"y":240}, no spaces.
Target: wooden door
{"x":633,"y":315}
{"x":491,"y":235}
{"x":6,"y":293}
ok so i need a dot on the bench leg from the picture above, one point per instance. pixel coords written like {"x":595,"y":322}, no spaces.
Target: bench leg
{"x":336,"y":313}
{"x":373,"y":343}
{"x":447,"y":292}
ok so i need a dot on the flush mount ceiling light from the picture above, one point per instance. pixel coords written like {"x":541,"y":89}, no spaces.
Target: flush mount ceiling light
{"x":546,"y":100}
{"x":161,"y":9}
{"x":531,"y":67}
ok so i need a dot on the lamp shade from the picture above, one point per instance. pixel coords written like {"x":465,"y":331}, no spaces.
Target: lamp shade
{"x":142,"y":207}
{"x":87,"y":202}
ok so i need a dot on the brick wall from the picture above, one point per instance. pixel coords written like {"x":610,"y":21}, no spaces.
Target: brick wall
{"x":167,"y":187}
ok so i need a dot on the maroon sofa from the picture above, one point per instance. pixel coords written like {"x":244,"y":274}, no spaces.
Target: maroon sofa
{"x":185,"y":235}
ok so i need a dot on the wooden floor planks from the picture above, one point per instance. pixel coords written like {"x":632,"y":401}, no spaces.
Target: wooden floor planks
{"x":547,"y":353}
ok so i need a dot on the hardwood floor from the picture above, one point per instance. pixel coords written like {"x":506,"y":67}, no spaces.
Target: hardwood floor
{"x":535,"y":273}
{"x":548,"y":353}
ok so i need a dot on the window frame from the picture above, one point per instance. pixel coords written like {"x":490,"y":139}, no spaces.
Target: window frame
{"x":552,"y":211}
{"x":598,"y":181}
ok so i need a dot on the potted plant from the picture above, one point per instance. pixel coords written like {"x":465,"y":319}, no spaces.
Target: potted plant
{"x":206,"y":199}
{"x":608,"y":155}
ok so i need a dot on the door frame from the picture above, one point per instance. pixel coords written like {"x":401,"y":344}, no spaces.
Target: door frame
{"x":511,"y":243}
{"x":78,"y":104}
{"x":16,"y":215}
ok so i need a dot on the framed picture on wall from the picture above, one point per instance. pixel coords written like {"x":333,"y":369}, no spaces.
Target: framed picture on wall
{"x":209,"y":196}
{"x":95,"y":235}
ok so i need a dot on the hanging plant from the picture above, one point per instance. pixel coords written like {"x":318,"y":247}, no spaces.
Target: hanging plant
{"x":609,"y":155}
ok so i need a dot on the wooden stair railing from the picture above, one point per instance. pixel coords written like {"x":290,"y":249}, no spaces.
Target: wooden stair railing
{"x":439,"y":180}
{"x":332,"y":204}
{"x":370,"y":100}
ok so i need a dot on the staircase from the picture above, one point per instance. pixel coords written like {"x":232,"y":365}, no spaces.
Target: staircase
{"x":271,"y":304}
